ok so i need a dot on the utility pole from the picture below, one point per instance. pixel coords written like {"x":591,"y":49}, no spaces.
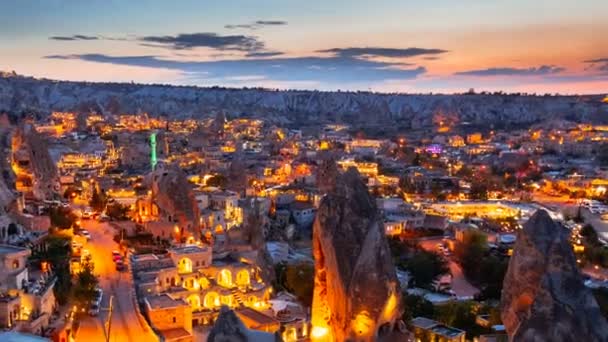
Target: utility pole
{"x":108,"y":324}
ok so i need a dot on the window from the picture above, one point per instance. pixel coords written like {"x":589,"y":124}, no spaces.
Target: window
{"x":15,"y":264}
{"x":174,"y":319}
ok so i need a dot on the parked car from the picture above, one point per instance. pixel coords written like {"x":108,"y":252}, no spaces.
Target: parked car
{"x":86,"y":234}
{"x":94,"y":308}
{"x":98,"y":294}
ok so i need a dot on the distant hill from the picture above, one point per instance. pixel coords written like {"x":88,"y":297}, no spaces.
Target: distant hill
{"x":20,"y":94}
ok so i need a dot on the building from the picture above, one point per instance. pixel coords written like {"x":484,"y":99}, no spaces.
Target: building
{"x":171,"y":317}
{"x":194,"y":275}
{"x":426,"y":329}
{"x":25,"y":304}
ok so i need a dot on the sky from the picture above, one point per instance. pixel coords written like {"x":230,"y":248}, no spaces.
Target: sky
{"x":535,"y":46}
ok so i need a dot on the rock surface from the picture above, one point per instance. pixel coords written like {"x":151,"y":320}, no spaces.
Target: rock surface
{"x":356,"y":294}
{"x":544,"y":298}
{"x":174,"y":196}
{"x":24,"y":94}
{"x":229,"y":328}
{"x":32,"y":147}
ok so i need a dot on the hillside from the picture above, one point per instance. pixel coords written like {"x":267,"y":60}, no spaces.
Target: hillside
{"x":20,"y":94}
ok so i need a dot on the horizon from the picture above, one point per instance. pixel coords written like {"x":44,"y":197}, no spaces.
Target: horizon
{"x":5,"y":74}
{"x":386,"y":47}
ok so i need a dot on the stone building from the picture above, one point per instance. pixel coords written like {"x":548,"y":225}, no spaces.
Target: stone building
{"x":192,"y":275}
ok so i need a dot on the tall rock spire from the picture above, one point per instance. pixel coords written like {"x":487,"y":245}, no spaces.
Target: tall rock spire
{"x":544,"y":298}
{"x":357,"y":295}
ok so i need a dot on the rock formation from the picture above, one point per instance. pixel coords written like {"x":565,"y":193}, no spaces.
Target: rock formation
{"x":36,"y":168}
{"x":229,"y":328}
{"x":544,"y":298}
{"x":356,"y":295}
{"x":174,"y":196}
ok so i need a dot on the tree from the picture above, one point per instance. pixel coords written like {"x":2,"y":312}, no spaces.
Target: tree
{"x":460,"y":315}
{"x":479,"y":191}
{"x":297,"y":279}
{"x":470,"y":252}
{"x":218,"y":181}
{"x":57,"y":254}
{"x":426,"y":267}
{"x":62,"y":218}
{"x":117,"y":211}
{"x":416,"y":306}
{"x":98,"y":200}
{"x":86,"y":282}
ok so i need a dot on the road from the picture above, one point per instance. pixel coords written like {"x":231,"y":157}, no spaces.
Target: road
{"x":126,"y":325}
{"x":460,"y":284}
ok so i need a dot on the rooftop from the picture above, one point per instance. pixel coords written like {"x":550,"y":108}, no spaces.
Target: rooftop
{"x":256,"y":316}
{"x":436,"y":327}
{"x":7,"y":249}
{"x":188,"y":249}
{"x":163,"y":301}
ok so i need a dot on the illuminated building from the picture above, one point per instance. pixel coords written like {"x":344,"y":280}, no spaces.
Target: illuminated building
{"x":429,"y":330}
{"x":153,"y":160}
{"x":365,"y":168}
{"x":198,"y":283}
{"x":459,"y":210}
{"x":24,"y":305}
{"x":474,"y":138}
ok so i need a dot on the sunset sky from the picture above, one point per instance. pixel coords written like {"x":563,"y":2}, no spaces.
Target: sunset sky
{"x":383,"y":45}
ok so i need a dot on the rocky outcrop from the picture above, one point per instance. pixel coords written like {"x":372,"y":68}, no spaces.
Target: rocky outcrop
{"x":35,"y":163}
{"x":356,"y":295}
{"x":544,"y":298}
{"x":174,"y":196}
{"x":22,"y":94}
{"x":229,"y":328}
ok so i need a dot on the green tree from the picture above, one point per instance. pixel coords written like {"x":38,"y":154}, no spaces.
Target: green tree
{"x":57,"y":254}
{"x":98,"y":200}
{"x":86,"y":282}
{"x":62,"y":218}
{"x":416,"y":306}
{"x":470,"y":252}
{"x":426,"y":267}
{"x":460,"y":315}
{"x":117,"y":211}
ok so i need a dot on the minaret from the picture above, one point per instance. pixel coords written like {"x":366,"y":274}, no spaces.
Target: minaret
{"x":153,"y":160}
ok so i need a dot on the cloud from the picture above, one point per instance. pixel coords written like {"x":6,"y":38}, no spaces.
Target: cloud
{"x":355,"y":52}
{"x":265,"y":54}
{"x":598,"y":64}
{"x":256,"y":24}
{"x":210,"y":40}
{"x":74,"y":37}
{"x":598,"y":60}
{"x":507,"y":71}
{"x":334,"y":70}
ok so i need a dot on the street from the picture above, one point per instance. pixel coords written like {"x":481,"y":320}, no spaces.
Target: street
{"x":460,"y":285}
{"x":125,"y":325}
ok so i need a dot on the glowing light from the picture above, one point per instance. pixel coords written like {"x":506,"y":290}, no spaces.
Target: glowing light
{"x":319,"y":332}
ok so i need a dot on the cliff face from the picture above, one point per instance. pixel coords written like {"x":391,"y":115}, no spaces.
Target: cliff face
{"x":356,"y":294}
{"x":30,"y":148}
{"x":174,"y":196}
{"x":544,"y":298}
{"x":19,"y":94}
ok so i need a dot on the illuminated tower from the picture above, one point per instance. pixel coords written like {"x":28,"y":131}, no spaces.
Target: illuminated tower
{"x":153,"y":160}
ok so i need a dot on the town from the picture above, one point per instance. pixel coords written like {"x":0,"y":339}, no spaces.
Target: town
{"x":140,"y":227}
